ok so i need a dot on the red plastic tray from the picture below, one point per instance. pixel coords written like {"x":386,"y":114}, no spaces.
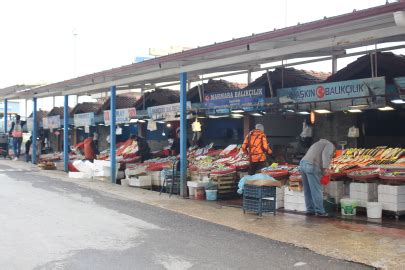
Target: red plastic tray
{"x":338,"y":175}
{"x":392,"y":178}
{"x":363,"y":177}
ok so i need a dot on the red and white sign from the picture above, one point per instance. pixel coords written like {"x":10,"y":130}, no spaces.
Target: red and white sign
{"x":121,"y":116}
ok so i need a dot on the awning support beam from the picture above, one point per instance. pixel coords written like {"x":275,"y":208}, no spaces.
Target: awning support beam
{"x":112,"y":134}
{"x":5,"y":116}
{"x":34,"y":131}
{"x":66,"y":133}
{"x":183,"y":134}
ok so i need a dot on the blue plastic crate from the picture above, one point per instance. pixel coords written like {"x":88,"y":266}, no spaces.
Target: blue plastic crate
{"x":259,"y":206}
{"x":253,"y":191}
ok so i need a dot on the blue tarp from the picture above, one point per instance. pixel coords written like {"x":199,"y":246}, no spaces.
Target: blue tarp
{"x":259,"y":176}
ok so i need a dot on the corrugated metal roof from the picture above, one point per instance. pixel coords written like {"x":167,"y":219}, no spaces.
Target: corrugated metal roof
{"x":85,"y":107}
{"x":389,"y":65}
{"x":40,"y":114}
{"x":123,"y":101}
{"x":288,"y":77}
{"x":157,"y":97}
{"x":58,"y":111}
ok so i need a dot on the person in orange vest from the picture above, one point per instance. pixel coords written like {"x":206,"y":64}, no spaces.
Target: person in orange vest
{"x":257,"y":148}
{"x":17,"y":134}
{"x":89,"y":148}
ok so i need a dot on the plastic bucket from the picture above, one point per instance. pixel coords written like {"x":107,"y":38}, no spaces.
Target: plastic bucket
{"x":374,"y":209}
{"x":191,"y":191}
{"x":211,"y":195}
{"x":199,"y":193}
{"x":348,"y":207}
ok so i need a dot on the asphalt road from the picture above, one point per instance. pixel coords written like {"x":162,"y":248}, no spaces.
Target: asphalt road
{"x":51,"y":224}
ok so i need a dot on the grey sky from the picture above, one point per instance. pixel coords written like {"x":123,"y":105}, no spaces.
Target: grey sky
{"x":38,"y":44}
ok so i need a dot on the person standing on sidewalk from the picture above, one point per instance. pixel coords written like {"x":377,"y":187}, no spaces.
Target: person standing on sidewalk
{"x":313,"y":166}
{"x":257,"y":148}
{"x":17,"y":134}
{"x":27,"y":149}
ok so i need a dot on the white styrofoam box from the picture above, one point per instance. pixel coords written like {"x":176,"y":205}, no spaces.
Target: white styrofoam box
{"x":291,"y":196}
{"x":362,"y":195}
{"x":140,"y":181}
{"x":135,"y":171}
{"x":80,"y":175}
{"x":390,"y":198}
{"x":393,"y":206}
{"x":84,"y":166}
{"x":204,"y":177}
{"x":394,"y":190}
{"x":196,"y":184}
{"x":287,"y":191}
{"x":363,"y":187}
{"x":102,"y":168}
{"x":295,"y":206}
{"x":124,"y":182}
{"x":279,"y":204}
{"x":155,"y":177}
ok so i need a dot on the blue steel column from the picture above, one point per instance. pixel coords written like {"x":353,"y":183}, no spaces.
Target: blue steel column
{"x":112,"y":134}
{"x":34,"y":131}
{"x":5,"y":116}
{"x":183,"y":134}
{"x":66,"y":133}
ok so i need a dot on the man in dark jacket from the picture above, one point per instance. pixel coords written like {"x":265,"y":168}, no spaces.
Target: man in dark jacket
{"x":143,"y":147}
{"x":27,"y":149}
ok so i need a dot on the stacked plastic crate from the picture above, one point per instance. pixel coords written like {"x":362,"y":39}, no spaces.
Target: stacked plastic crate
{"x":259,"y":199}
{"x":294,"y":200}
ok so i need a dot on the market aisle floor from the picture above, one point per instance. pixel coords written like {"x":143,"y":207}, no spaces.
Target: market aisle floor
{"x":46,"y":223}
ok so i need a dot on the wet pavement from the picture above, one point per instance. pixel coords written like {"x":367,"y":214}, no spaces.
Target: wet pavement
{"x":365,"y":243}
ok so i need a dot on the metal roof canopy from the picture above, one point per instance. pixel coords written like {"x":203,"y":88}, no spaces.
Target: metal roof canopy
{"x":330,"y":36}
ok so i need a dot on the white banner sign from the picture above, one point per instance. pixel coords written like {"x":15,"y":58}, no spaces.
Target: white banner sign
{"x":166,"y":112}
{"x":84,"y":119}
{"x":45,"y":123}
{"x":30,"y":124}
{"x":2,"y":124}
{"x":121,"y":116}
{"x":51,"y":122}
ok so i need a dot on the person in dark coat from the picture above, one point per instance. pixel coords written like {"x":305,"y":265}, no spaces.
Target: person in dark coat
{"x":27,"y":149}
{"x":143,"y":147}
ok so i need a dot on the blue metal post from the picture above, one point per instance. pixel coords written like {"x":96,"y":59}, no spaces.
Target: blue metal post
{"x":66,"y":133}
{"x":183,"y":134}
{"x":5,"y":116}
{"x":34,"y":131}
{"x":112,"y":134}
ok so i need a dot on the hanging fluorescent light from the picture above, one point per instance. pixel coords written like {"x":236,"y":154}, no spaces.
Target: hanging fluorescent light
{"x":386,"y":108}
{"x":141,"y":121}
{"x":126,"y":125}
{"x":101,"y":124}
{"x":355,"y":111}
{"x":218,"y":116}
{"x":290,"y":111}
{"x":161,"y":122}
{"x":359,"y":106}
{"x":256,"y":114}
{"x":238,"y":111}
{"x":398,"y":101}
{"x":304,"y":113}
{"x":322,"y":111}
{"x":237,"y":115}
{"x":133,"y":120}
